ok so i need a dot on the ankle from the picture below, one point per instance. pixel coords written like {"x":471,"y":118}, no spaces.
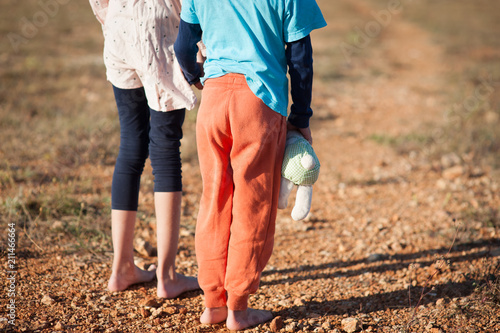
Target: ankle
{"x":123,"y":267}
{"x":166,"y":273}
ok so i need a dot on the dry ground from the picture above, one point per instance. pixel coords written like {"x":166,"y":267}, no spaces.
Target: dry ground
{"x":402,"y":236}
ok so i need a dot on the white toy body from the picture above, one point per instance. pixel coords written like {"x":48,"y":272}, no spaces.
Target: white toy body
{"x":301,"y":169}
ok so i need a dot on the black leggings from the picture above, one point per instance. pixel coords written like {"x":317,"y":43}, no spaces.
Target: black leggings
{"x":144,"y":132}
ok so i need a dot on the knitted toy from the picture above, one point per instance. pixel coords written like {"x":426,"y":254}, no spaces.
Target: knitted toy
{"x":301,"y":168}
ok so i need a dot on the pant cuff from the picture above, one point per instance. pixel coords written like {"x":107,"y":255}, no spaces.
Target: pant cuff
{"x":215,"y":299}
{"x":237,"y":302}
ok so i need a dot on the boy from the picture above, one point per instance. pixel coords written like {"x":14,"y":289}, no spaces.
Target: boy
{"x":241,"y":132}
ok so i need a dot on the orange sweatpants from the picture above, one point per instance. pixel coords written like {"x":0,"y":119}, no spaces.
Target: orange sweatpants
{"x":241,"y":143}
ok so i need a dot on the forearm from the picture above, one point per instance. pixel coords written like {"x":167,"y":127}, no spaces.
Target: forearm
{"x":300,"y":68}
{"x":186,"y":50}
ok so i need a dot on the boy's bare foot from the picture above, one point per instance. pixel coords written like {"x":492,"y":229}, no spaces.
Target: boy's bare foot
{"x":238,"y":320}
{"x":125,"y":277}
{"x":171,"y":288}
{"x":214,"y":315}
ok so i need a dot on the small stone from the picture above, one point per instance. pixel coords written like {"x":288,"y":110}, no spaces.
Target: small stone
{"x":47,"y":300}
{"x":440,"y":302}
{"x":145,"y":248}
{"x":326,"y":325}
{"x":58,"y":326}
{"x":144,"y":312}
{"x":375,"y":257}
{"x":57,"y":225}
{"x":450,"y":160}
{"x":171,"y":310}
{"x":435,"y":330}
{"x":298,"y":302}
{"x":105,"y":299}
{"x":150,"y":302}
{"x":441,"y":184}
{"x":183,"y":310}
{"x":292,"y":327}
{"x":351,"y":324}
{"x":283,"y":303}
{"x":453,"y":172}
{"x":157,"y":313}
{"x":276,"y":324}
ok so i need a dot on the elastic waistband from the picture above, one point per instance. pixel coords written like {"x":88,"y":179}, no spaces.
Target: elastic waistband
{"x":228,"y":80}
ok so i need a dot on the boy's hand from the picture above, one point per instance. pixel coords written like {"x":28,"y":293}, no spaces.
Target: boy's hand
{"x":198,"y":85}
{"x":306,"y":132}
{"x":202,"y":73}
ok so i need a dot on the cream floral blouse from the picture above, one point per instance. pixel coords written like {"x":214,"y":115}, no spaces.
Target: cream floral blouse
{"x":139,"y":38}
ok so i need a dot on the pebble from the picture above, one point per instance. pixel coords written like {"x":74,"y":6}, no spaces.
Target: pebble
{"x":144,"y":312}
{"x":292,"y":327}
{"x":276,"y":324}
{"x":105,"y":299}
{"x":150,"y":302}
{"x":157,"y":313}
{"x":450,"y":160}
{"x":453,"y":172}
{"x":326,"y":325}
{"x":375,"y":257}
{"x":57,"y":225}
{"x":435,"y":330}
{"x":171,"y":309}
{"x":47,"y":300}
{"x":145,"y":248}
{"x":298,"y":302}
{"x":351,"y":324}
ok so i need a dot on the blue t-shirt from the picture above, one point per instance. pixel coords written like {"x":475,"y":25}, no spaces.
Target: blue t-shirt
{"x":248,"y":37}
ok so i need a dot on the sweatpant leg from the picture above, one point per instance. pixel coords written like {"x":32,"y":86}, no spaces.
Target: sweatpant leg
{"x":164,"y":149}
{"x":133,"y":112}
{"x":259,"y":135}
{"x":214,"y":216}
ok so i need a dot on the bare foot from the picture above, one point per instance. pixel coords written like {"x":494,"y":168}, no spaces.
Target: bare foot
{"x":126,"y":277}
{"x":238,"y":320}
{"x":171,"y":288}
{"x":214,"y":315}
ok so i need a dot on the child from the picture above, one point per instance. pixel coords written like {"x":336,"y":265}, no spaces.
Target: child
{"x":241,"y":130}
{"x":151,"y":95}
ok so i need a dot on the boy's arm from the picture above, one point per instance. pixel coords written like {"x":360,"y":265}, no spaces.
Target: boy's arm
{"x":300,"y":68}
{"x":186,"y":50}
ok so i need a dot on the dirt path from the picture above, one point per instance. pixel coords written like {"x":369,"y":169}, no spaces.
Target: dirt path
{"x":380,"y":225}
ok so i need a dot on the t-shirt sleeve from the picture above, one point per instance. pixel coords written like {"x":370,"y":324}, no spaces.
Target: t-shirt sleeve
{"x":301,"y":17}
{"x":188,"y":12}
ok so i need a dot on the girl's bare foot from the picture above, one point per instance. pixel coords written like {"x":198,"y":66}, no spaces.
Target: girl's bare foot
{"x":124,"y":277}
{"x":238,"y":320}
{"x":171,"y":288}
{"x":214,"y":315}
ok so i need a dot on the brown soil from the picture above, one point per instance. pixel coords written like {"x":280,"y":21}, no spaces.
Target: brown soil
{"x":388,"y":243}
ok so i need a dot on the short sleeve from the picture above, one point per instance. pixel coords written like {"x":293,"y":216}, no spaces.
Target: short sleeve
{"x":188,"y":12}
{"x":301,"y":17}
{"x":100,"y":9}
